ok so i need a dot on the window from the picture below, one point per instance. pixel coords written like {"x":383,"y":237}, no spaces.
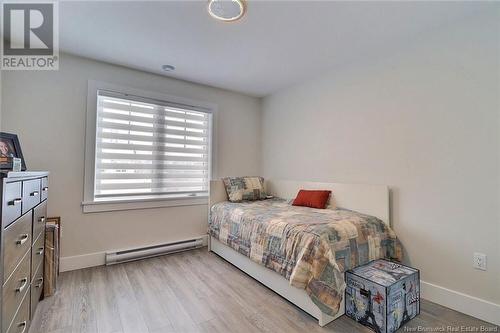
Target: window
{"x":148,"y":150}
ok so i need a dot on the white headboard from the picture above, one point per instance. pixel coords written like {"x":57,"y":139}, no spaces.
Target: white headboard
{"x":364,"y":198}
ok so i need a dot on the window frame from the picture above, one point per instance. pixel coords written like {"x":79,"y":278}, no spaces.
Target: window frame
{"x":89,"y":205}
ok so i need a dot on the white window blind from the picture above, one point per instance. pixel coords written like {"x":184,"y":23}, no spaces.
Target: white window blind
{"x":147,"y":148}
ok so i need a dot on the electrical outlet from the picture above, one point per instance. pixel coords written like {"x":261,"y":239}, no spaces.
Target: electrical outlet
{"x":479,"y":261}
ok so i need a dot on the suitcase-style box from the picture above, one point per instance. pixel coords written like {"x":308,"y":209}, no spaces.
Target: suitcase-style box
{"x":382,"y":295}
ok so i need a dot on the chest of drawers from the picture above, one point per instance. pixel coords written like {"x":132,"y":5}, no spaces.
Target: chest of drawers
{"x":23,"y":212}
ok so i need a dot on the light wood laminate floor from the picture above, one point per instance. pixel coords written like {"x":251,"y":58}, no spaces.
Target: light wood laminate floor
{"x":194,"y":291}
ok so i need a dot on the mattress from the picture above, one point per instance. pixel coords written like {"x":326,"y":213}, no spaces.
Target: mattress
{"x":309,"y":247}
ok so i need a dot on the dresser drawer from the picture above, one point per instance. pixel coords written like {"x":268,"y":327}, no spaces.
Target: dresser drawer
{"x":17,"y":240}
{"x":14,"y":290}
{"x":36,"y":289}
{"x":45,"y":188}
{"x":39,"y":217}
{"x":31,"y":194}
{"x":37,"y":254}
{"x":11,"y":204}
{"x":21,"y":321}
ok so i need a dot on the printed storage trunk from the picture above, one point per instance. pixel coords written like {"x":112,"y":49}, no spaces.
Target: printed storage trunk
{"x":382,"y":295}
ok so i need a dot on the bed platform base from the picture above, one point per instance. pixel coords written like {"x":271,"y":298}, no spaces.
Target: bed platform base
{"x":273,"y":281}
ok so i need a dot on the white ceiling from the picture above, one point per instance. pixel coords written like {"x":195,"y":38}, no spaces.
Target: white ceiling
{"x":275,"y":45}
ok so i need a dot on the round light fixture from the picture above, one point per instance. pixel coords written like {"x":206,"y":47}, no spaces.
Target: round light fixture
{"x":226,"y":10}
{"x":168,"y":68}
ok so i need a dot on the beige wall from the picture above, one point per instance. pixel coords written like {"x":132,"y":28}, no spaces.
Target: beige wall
{"x":424,"y":120}
{"x":47,"y":110}
{"x":1,"y":99}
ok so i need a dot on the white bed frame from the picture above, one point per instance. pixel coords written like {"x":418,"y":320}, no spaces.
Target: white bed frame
{"x":369,"y":199}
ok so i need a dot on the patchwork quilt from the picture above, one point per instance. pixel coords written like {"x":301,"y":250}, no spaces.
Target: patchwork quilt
{"x":309,"y":247}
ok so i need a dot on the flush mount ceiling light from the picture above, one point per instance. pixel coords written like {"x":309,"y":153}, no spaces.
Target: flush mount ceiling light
{"x":226,"y":10}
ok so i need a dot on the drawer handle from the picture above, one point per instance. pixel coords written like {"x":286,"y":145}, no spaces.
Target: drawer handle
{"x":45,"y":189}
{"x":15,"y":202}
{"x":39,"y":284}
{"x":24,"y":324}
{"x":40,"y":251}
{"x":41,"y":219}
{"x":34,"y":194}
{"x":24,"y":283}
{"x":22,"y":239}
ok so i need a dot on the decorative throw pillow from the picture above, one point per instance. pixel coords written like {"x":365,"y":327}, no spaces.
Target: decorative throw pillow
{"x":244,"y":188}
{"x":312,"y":198}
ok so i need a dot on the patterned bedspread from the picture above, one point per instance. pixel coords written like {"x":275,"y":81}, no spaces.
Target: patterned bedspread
{"x":309,"y":247}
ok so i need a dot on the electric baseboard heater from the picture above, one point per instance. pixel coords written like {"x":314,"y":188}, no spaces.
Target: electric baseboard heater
{"x":152,"y":251}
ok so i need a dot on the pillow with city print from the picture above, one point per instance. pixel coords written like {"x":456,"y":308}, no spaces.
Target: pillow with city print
{"x":244,"y":188}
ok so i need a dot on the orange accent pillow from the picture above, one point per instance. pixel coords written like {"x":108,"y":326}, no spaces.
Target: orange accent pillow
{"x":312,"y":198}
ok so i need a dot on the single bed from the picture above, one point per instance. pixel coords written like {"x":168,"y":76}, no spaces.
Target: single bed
{"x":301,"y":253}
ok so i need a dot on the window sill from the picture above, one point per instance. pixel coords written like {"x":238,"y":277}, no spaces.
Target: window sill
{"x":118,"y":205}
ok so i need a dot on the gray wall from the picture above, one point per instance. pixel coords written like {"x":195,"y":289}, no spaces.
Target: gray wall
{"x":425,"y":121}
{"x":47,"y":110}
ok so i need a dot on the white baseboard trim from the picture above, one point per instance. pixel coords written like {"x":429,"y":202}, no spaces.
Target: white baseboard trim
{"x":94,"y":259}
{"x":81,"y":261}
{"x":470,"y":305}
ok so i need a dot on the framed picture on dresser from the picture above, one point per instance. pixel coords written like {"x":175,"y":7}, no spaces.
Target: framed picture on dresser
{"x":10,"y":148}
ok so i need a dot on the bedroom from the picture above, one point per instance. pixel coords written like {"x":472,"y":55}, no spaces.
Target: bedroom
{"x":392,"y":106}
